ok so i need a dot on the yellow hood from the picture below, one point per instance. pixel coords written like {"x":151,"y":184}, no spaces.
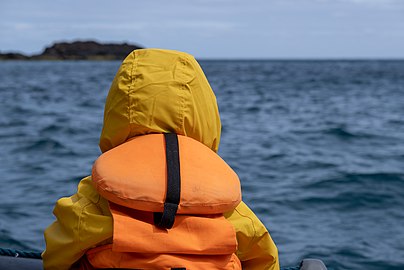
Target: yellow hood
{"x":157,"y":91}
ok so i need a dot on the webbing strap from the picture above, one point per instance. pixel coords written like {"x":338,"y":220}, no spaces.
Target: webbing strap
{"x":166,"y":219}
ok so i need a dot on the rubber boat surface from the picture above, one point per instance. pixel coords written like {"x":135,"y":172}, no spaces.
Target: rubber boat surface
{"x":22,"y":260}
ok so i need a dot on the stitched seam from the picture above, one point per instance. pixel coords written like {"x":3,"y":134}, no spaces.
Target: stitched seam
{"x":103,"y":189}
{"x":252,"y":225}
{"x":97,"y":203}
{"x":79,"y":223}
{"x":182,"y":98}
{"x":131,"y":86}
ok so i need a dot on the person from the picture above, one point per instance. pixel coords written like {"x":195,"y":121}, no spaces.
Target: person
{"x":155,"y":91}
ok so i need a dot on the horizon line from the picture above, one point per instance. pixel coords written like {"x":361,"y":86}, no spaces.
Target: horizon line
{"x":247,"y":59}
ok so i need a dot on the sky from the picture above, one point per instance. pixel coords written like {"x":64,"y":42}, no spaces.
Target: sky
{"x":224,"y":29}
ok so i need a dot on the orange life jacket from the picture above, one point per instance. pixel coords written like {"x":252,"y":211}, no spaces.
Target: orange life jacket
{"x":167,"y":196}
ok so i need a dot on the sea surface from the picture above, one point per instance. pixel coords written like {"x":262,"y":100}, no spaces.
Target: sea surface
{"x":318,"y":146}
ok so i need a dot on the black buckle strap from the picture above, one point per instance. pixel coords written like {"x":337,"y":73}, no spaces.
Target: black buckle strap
{"x":166,"y":219}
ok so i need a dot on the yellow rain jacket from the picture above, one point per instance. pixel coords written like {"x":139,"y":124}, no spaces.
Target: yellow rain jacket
{"x":154,"y":91}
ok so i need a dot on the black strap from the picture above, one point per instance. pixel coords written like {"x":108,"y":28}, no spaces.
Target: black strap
{"x":166,"y":219}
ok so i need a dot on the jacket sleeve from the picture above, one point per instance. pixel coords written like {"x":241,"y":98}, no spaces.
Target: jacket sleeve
{"x":82,"y":221}
{"x":256,"y":249}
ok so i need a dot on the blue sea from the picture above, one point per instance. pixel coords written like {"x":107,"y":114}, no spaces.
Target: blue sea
{"x":318,"y":146}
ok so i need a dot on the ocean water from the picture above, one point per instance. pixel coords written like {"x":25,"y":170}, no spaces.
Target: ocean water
{"x":318,"y":146}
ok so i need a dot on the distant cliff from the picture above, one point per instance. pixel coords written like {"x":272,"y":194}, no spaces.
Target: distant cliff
{"x":78,"y":50}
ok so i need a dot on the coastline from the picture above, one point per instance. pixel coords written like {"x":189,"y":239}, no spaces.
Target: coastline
{"x":77,"y":50}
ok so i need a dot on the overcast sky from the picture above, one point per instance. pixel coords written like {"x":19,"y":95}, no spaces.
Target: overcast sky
{"x":213,"y":28}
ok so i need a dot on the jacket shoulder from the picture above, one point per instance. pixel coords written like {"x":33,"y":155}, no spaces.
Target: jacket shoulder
{"x":251,"y":233}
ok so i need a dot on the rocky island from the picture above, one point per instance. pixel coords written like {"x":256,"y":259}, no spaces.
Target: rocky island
{"x":78,"y":50}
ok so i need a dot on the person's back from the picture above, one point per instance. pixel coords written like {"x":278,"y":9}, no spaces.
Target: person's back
{"x":154,"y":92}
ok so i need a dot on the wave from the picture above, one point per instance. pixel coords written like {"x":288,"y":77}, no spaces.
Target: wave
{"x":341,"y":132}
{"x":7,"y":241}
{"x":359,"y":179}
{"x":46,"y":145}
